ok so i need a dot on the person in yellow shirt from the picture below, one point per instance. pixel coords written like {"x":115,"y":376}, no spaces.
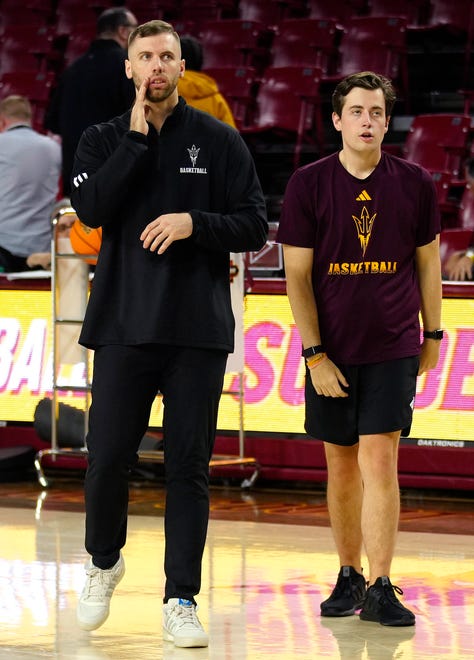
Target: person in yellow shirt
{"x":199,"y":89}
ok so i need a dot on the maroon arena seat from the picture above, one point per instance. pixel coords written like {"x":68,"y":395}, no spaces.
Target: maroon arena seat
{"x":466,"y":210}
{"x":201,"y":10}
{"x":36,"y":86}
{"x":79,"y":42}
{"x":415,"y":11}
{"x":454,"y":240}
{"x":270,"y":12}
{"x":306,"y":41}
{"x":26,"y":47}
{"x":288,"y":107}
{"x":341,"y":10}
{"x":375,"y":43}
{"x":231,"y":42}
{"x":438,"y":142}
{"x":239,"y":87}
{"x":454,"y":14}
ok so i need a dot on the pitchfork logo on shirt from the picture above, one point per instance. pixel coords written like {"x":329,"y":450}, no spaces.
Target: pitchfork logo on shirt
{"x":193,"y":155}
{"x":364,"y":222}
{"x":364,"y":225}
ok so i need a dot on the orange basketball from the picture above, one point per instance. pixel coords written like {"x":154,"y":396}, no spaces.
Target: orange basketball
{"x":85,"y":240}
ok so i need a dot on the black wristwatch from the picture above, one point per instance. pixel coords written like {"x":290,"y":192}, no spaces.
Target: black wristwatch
{"x":312,"y":350}
{"x":434,"y":334}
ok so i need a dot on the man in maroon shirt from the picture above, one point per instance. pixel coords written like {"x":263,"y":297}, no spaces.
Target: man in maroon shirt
{"x":360,"y":234}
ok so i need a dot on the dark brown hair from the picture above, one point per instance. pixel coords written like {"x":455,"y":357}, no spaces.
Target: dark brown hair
{"x":365,"y":80}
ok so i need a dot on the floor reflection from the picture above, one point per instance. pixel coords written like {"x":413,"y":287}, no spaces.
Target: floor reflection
{"x":262,"y":585}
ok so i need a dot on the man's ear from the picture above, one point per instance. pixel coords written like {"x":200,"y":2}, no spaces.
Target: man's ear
{"x":336,"y":120}
{"x":128,"y":69}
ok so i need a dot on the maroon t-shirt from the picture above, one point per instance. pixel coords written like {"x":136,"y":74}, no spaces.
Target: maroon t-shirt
{"x":364,"y":233}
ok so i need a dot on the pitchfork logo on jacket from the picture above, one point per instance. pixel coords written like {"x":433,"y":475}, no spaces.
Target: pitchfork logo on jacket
{"x":193,"y":155}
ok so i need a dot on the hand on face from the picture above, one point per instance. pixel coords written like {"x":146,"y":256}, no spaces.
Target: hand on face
{"x":155,"y":66}
{"x":141,"y":109}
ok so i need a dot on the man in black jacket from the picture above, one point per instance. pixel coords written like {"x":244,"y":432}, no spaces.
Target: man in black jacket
{"x":175,"y":190}
{"x":94,"y":87}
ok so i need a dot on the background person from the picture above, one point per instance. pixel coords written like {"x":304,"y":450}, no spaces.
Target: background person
{"x":64,"y":224}
{"x":360,"y":233}
{"x":175,"y":192}
{"x":30,"y":165}
{"x":94,"y":87}
{"x":460,"y":265}
{"x":198,"y":88}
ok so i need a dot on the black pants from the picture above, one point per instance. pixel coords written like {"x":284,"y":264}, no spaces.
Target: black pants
{"x":125,"y":382}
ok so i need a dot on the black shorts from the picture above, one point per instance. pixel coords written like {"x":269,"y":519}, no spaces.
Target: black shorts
{"x":381,"y":400}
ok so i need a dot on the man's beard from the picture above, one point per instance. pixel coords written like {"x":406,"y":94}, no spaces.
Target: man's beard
{"x":159,"y":95}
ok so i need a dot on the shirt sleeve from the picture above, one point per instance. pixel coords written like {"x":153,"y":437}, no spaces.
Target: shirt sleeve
{"x":100,"y":180}
{"x":242,"y":224}
{"x":297,"y":220}
{"x":429,"y":224}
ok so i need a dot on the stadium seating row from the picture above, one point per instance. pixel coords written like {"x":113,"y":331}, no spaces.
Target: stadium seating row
{"x":455,"y":16}
{"x":274,"y":60}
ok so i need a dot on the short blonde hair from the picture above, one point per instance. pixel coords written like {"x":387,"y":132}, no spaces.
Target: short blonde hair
{"x":16,"y":107}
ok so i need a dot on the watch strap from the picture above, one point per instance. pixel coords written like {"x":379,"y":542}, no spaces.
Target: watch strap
{"x":433,"y":334}
{"x":312,"y":350}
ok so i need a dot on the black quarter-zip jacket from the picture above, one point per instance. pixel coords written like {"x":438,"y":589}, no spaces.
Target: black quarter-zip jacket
{"x":121,"y":181}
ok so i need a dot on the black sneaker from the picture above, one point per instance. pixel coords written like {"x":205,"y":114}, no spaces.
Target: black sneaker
{"x":348,"y":594}
{"x":382,"y":605}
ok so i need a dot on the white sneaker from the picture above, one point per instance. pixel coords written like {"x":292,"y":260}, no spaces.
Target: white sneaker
{"x":181,"y":624}
{"x":94,"y":603}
